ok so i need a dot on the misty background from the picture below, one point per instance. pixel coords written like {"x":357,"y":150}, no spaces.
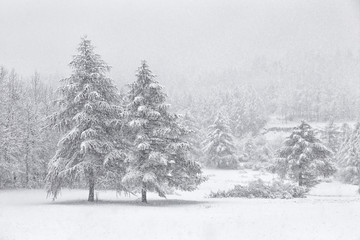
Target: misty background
{"x":186,"y":42}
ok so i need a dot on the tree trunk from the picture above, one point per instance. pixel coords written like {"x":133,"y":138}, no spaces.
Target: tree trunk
{"x":26,"y":170}
{"x":300,"y":179}
{"x":91,"y":185}
{"x":14,"y":180}
{"x":143,"y":193}
{"x":359,"y":179}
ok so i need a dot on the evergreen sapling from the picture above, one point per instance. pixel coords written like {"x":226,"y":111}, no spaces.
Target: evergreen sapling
{"x":305,"y":157}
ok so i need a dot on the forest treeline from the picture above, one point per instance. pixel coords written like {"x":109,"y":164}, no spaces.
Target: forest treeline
{"x":26,"y":143}
{"x":222,"y":127}
{"x":313,"y":86}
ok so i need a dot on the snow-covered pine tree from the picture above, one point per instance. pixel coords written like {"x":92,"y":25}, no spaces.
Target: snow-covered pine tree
{"x":349,"y":158}
{"x":160,"y":155}
{"x":219,"y":147}
{"x":88,"y":105}
{"x":305,"y":156}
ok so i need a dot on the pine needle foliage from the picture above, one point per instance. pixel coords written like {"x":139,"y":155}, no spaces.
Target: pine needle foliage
{"x":160,"y":159}
{"x":304,"y":157}
{"x":218,"y":146}
{"x":89,"y":104}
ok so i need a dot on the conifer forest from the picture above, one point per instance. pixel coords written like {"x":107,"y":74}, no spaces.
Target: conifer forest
{"x":179,"y":120}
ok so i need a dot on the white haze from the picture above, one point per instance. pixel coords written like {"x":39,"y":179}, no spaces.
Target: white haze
{"x":178,"y":38}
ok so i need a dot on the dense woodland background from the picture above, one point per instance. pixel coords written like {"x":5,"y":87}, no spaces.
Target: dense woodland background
{"x":314,"y":87}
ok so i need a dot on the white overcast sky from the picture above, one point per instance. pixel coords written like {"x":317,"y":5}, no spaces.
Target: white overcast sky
{"x":176,"y":35}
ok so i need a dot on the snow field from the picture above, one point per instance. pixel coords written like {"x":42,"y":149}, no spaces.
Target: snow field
{"x":332,"y":211}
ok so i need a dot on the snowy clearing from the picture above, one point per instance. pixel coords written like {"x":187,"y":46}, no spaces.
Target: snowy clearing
{"x":331,"y":211}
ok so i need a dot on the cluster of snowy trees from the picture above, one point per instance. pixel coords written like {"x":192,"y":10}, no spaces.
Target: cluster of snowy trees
{"x":133,"y":142}
{"x":308,"y":154}
{"x":243,"y":109}
{"x":313,"y":86}
{"x":303,"y":157}
{"x":348,"y":155}
{"x":319,"y":103}
{"x":129,"y":143}
{"x":221,"y":122}
{"x":26,"y":143}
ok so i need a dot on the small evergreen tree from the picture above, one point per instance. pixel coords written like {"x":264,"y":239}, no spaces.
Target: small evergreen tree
{"x":305,"y":157}
{"x":88,"y":105}
{"x":160,"y":159}
{"x":218,"y":147}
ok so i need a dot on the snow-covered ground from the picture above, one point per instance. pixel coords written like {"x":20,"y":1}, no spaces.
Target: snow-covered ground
{"x":332,"y":211}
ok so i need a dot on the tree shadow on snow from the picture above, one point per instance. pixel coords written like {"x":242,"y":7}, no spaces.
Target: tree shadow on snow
{"x":151,"y":203}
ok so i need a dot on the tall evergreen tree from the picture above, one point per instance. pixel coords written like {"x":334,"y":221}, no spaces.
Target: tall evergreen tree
{"x":305,"y":156}
{"x":160,"y":155}
{"x":88,"y":105}
{"x":218,"y":147}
